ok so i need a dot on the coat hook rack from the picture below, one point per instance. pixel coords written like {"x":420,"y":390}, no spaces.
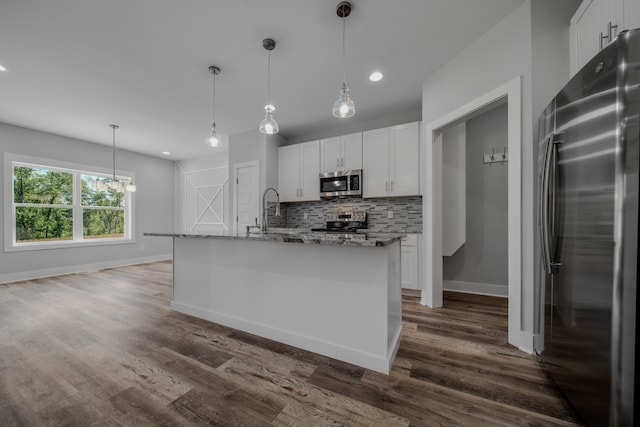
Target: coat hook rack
{"x":496,"y":158}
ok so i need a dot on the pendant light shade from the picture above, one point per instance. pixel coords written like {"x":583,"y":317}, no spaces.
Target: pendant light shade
{"x":344,"y":107}
{"x":268,"y":125}
{"x":214,"y":140}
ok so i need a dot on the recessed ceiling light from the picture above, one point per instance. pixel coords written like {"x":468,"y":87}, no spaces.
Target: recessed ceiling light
{"x":3,"y":68}
{"x":166,"y":153}
{"x":375,"y":76}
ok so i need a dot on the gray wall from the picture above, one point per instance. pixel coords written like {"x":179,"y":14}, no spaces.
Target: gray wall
{"x":154,"y":206}
{"x":483,"y":257}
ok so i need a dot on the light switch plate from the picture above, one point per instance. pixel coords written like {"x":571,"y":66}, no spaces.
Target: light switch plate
{"x":306,"y":215}
{"x":390,"y":214}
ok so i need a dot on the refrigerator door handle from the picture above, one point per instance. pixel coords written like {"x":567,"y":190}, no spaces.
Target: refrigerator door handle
{"x":548,"y":201}
{"x":543,"y":199}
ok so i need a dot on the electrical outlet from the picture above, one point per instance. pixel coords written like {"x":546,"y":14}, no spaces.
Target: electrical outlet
{"x":390,"y":214}
{"x":306,"y":215}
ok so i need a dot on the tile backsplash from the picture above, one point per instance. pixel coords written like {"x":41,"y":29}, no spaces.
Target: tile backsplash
{"x":407,"y":213}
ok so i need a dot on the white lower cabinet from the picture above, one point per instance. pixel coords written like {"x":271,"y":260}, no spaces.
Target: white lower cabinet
{"x":410,"y":266}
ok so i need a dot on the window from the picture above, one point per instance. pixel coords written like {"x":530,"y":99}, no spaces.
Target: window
{"x":53,"y":204}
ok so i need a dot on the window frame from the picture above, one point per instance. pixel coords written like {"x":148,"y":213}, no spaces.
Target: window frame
{"x":77,"y":170}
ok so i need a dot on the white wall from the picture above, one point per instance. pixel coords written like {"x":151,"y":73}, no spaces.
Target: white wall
{"x":154,"y":206}
{"x":345,"y":127}
{"x":202,"y":194}
{"x":535,"y":31}
{"x":254,"y":146}
{"x":550,"y":61}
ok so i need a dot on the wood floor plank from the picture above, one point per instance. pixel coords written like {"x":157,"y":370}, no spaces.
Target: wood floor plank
{"x":104,"y":348}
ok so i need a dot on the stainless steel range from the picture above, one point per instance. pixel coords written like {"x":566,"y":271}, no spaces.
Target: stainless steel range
{"x":344,"y":222}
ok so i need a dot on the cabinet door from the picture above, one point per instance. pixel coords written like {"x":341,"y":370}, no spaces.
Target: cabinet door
{"x":375,"y":163}
{"x":631,"y":14}
{"x":330,"y":154}
{"x":409,"y":267}
{"x":404,"y":160}
{"x":310,"y":171}
{"x":351,"y":151}
{"x":590,"y":20}
{"x":289,"y":173}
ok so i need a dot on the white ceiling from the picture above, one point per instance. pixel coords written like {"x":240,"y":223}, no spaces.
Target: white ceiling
{"x":74,"y":66}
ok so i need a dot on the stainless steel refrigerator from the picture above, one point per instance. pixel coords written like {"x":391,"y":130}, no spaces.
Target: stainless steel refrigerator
{"x":588,"y":227}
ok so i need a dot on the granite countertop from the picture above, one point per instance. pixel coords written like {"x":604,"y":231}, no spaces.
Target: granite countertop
{"x":298,"y":236}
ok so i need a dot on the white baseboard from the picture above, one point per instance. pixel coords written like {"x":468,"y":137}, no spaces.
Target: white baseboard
{"x":476,"y":288}
{"x":83,"y":268}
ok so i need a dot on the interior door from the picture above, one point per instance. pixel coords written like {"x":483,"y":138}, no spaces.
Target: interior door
{"x":246,"y":196}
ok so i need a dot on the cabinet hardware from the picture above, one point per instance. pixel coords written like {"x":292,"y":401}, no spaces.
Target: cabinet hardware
{"x":610,"y":28}
{"x":603,"y":37}
{"x":337,"y":162}
{"x":609,"y":36}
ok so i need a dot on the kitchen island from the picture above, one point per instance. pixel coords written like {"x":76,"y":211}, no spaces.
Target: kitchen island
{"x":336,"y":295}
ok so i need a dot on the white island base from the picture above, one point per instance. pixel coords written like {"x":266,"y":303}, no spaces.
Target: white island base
{"x":342,"y":302}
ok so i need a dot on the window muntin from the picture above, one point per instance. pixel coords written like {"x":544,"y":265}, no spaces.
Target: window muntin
{"x":51,"y":205}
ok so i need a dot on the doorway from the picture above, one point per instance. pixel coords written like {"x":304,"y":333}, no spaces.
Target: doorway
{"x":509,"y":93}
{"x":475,"y":208}
{"x":246,"y":204}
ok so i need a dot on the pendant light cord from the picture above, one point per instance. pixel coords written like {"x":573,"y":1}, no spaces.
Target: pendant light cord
{"x":214,"y":99}
{"x":344,"y":68}
{"x":114,"y":152}
{"x":269,"y":79}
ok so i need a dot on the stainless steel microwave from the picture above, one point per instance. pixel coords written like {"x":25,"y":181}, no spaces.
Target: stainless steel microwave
{"x":341,"y":184}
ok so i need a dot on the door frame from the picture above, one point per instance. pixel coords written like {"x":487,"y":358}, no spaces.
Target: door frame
{"x":432,"y":202}
{"x":236,"y":166}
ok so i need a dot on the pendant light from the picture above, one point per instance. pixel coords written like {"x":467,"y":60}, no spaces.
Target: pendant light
{"x":268,"y":125}
{"x":214,"y":140}
{"x":344,"y":106}
{"x":116,"y":185}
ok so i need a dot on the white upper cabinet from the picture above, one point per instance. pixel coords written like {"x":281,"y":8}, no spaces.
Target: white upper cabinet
{"x":375,"y":160}
{"x":298,"y":172}
{"x":391,"y":161}
{"x":341,"y":153}
{"x":631,"y":14}
{"x":596,"y":23}
{"x":310,"y":171}
{"x":289,"y":173}
{"x":404,"y":161}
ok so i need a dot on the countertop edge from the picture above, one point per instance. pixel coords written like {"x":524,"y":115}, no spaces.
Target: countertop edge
{"x":372,"y":239}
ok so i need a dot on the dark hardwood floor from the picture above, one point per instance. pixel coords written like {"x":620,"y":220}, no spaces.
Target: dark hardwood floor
{"x":105,"y":349}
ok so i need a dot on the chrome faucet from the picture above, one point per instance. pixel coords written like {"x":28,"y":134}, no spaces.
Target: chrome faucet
{"x":266,"y":206}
